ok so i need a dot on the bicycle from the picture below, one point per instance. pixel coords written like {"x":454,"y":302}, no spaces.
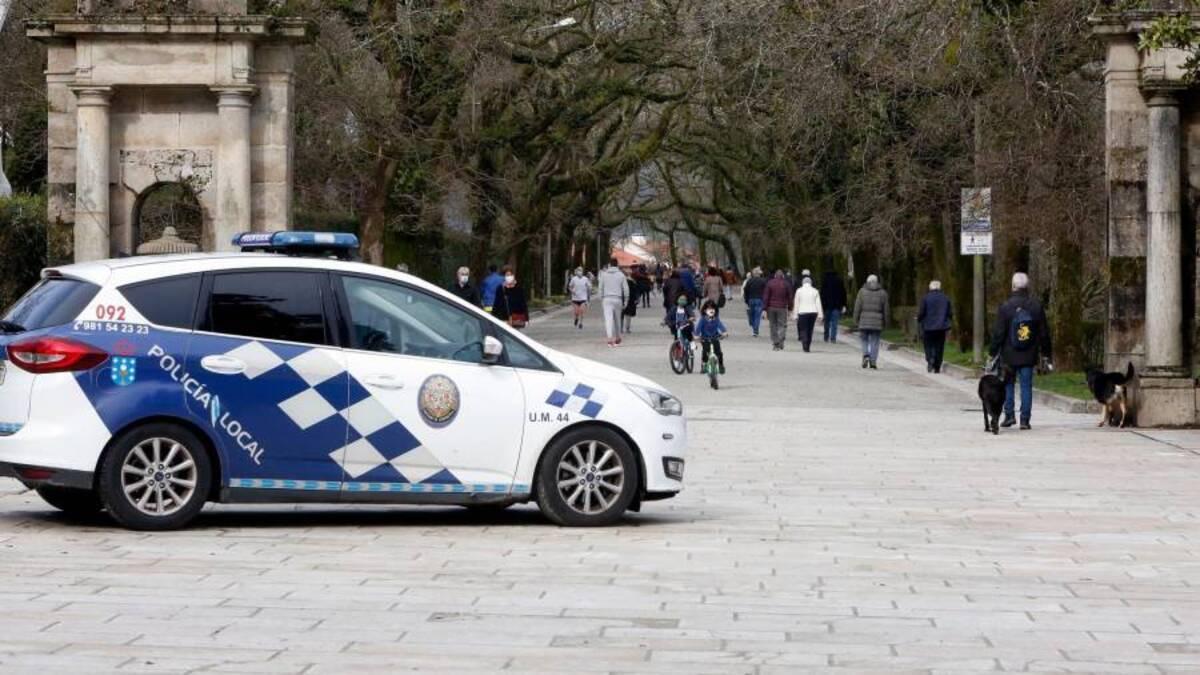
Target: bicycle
{"x":681,"y":353}
{"x":712,"y":366}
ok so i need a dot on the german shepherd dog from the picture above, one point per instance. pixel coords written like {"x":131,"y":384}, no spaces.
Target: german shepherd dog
{"x":1112,"y":390}
{"x":991,"y":395}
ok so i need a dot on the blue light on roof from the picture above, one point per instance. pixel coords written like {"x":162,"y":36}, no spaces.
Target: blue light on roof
{"x":298,"y":243}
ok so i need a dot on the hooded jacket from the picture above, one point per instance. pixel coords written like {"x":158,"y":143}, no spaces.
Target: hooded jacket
{"x":808,"y":300}
{"x":612,"y":284}
{"x":871,"y":309}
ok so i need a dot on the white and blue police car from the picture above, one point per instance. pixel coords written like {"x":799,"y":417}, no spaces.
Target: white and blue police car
{"x":149,"y":386}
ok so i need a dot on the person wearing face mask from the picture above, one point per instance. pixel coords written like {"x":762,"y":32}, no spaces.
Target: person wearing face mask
{"x":462,"y":287}
{"x":709,"y":332}
{"x":510,"y":301}
{"x":581,"y":291}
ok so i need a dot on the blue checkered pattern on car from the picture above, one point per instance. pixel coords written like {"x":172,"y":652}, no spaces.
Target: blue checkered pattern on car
{"x":356,"y":486}
{"x":578,"y":397}
{"x":10,"y":428}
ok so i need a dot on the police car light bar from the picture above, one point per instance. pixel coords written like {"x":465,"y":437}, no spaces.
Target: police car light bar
{"x":341,"y":245}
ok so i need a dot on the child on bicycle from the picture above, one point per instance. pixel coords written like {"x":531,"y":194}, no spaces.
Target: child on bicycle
{"x":709,"y":332}
{"x":682,"y":319}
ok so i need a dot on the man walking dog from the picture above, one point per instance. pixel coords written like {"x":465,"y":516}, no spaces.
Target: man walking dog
{"x":1021,"y":336}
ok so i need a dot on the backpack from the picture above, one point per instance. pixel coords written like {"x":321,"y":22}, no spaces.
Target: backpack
{"x":1020,"y":330}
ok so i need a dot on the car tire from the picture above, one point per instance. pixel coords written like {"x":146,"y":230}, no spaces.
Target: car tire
{"x":155,"y":477}
{"x":587,"y":478}
{"x":72,"y":501}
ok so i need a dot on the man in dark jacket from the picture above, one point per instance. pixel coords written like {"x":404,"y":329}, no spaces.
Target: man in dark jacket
{"x":752,"y":293}
{"x":833,"y":303}
{"x":934,"y":317}
{"x":1021,"y":336}
{"x":462,"y":287}
{"x":777,"y":300}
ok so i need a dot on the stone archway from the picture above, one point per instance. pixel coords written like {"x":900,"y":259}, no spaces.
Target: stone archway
{"x":163,"y":205}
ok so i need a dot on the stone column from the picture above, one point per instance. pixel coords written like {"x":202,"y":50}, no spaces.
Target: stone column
{"x":233,"y":165}
{"x":1164,"y":270}
{"x":91,"y":172}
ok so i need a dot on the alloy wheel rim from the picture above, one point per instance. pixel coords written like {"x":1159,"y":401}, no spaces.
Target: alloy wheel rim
{"x":159,"y":476}
{"x":590,"y":477}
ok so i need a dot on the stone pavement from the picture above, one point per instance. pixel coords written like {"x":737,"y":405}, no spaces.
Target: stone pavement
{"x":834,"y":519}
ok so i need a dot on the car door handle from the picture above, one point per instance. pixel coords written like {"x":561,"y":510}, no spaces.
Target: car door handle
{"x":223,"y":365}
{"x":385,"y":381}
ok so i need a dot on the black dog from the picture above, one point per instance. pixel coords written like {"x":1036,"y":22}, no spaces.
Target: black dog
{"x":1112,"y":390}
{"x":991,"y":395}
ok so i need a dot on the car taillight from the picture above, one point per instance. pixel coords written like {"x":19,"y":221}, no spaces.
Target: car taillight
{"x":54,"y":355}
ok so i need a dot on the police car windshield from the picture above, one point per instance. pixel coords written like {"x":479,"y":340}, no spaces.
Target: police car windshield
{"x":53,"y":302}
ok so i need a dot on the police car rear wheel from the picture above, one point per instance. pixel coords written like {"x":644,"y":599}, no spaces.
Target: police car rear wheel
{"x":156,"y":477}
{"x":587,"y":478}
{"x":73,"y":501}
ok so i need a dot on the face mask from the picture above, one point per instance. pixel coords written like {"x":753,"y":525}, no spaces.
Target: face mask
{"x":463,"y":279}
{"x":710,"y":313}
{"x":510,"y":279}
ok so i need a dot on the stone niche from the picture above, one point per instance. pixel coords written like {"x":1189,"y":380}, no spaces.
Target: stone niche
{"x":203,"y":99}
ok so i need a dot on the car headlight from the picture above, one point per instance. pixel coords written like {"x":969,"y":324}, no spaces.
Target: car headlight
{"x":662,"y":402}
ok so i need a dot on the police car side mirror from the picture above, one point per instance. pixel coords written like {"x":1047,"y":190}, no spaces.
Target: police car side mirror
{"x":493,"y":349}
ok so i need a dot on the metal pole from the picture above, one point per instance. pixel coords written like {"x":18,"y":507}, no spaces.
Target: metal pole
{"x":977,"y":296}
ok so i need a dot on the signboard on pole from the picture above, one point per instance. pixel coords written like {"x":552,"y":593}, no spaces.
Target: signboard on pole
{"x":976,"y":221}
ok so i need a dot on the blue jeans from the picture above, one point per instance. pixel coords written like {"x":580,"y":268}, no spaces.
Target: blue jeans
{"x":754,"y":314}
{"x":832,"y":317}
{"x":1025,"y":375}
{"x":870,"y":344}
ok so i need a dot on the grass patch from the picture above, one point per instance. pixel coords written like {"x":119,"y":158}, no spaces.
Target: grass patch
{"x":1072,"y":383}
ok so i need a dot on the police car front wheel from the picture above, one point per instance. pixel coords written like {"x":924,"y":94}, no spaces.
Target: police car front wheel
{"x":155,"y":477}
{"x":588,"y":477}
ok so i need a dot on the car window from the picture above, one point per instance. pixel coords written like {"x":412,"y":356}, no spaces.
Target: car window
{"x":520,"y":355}
{"x":393,"y":318}
{"x":268,"y":304}
{"x":53,"y":302}
{"x":166,"y":302}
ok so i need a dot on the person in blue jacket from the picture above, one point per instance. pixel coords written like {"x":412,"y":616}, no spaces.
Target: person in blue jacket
{"x":488,"y":287}
{"x":935,"y":316}
{"x":709,"y":332}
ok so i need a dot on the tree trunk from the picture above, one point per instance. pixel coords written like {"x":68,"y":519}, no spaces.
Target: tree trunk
{"x":374,"y":219}
{"x":1066,"y":316}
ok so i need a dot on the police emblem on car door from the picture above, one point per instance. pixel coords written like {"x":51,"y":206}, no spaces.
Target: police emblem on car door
{"x":435,"y":417}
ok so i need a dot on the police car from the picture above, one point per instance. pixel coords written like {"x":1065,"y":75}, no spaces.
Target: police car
{"x":149,"y":386}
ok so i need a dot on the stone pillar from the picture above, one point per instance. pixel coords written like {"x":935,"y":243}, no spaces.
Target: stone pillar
{"x":1167,"y":394}
{"x":91,"y":173}
{"x":1164,"y":270}
{"x":233,"y":166}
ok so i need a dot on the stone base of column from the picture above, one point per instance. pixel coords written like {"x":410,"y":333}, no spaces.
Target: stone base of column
{"x":1166,"y":401}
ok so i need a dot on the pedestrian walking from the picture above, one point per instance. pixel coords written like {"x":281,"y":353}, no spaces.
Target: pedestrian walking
{"x":777,"y":301}
{"x":871,"y":312}
{"x":714,"y":288}
{"x":631,"y":304}
{"x":580,"y":290}
{"x":645,"y":285}
{"x":463,"y":288}
{"x":509,"y":301}
{"x":752,"y":294}
{"x":934,"y":317}
{"x":487,"y":289}
{"x":614,"y":293}
{"x":807,"y":303}
{"x":688,"y":276}
{"x":833,"y":302}
{"x":1021,"y":336}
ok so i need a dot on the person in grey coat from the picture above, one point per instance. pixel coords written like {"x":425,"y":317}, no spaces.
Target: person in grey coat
{"x":871,"y":313}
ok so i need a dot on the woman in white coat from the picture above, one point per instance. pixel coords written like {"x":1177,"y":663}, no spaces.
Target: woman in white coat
{"x":808,"y":311}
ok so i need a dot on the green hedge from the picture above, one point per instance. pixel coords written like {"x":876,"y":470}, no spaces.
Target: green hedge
{"x":22,"y":244}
